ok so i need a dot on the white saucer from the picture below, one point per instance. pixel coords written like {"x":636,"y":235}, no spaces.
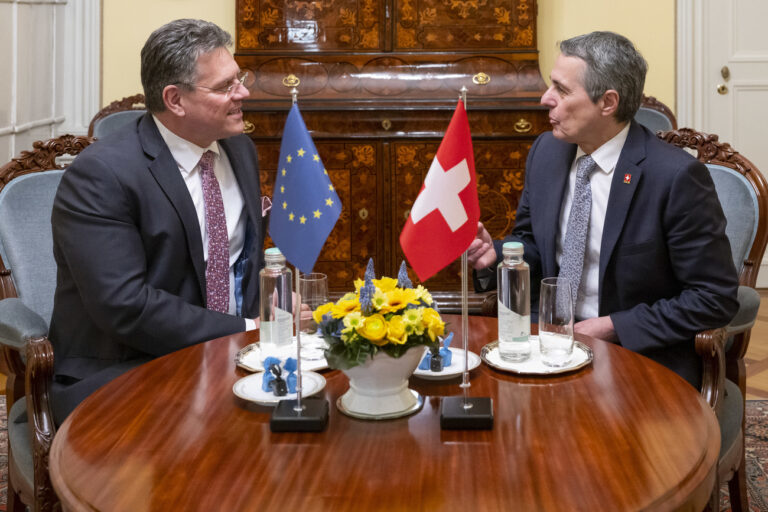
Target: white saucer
{"x":582,"y":356}
{"x":249,"y":388}
{"x":456,"y":367}
{"x":249,"y":357}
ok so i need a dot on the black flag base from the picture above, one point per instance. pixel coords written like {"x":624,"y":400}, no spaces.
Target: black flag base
{"x":313,"y":416}
{"x":455,"y":416}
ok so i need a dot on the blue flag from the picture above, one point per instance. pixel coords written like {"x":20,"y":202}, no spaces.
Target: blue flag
{"x":305,"y":205}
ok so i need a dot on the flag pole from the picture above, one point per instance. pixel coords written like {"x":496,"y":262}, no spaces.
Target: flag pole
{"x":311,"y":415}
{"x":298,"y":407}
{"x":465,"y":384}
{"x":464,"y":412}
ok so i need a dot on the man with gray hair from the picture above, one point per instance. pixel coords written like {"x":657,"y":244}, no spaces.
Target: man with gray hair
{"x":157,"y":228}
{"x":633,"y":223}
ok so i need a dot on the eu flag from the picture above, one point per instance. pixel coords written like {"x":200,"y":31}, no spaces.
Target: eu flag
{"x":305,"y":205}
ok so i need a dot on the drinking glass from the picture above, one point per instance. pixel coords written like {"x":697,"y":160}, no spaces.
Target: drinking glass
{"x":555,"y":322}
{"x":314,"y":292}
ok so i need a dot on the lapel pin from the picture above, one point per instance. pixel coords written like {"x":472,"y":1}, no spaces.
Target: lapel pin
{"x":627,"y":179}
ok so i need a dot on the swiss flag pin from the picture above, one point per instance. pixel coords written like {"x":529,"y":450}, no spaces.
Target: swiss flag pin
{"x":627,"y":178}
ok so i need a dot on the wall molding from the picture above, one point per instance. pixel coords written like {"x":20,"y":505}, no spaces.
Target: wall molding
{"x":21,"y":128}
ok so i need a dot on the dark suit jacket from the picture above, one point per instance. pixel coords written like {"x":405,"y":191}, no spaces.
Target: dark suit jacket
{"x":665,"y":263}
{"x":131,"y":274}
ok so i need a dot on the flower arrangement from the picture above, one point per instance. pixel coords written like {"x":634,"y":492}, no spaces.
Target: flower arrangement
{"x":386,"y":314}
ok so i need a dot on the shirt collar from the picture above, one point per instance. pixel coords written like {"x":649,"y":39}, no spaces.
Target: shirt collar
{"x":607,"y":156}
{"x":187,"y":154}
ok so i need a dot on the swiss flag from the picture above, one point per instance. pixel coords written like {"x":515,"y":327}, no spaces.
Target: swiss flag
{"x":443,"y":219}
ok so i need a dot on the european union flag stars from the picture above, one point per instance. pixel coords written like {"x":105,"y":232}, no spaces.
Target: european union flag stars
{"x":305,"y":205}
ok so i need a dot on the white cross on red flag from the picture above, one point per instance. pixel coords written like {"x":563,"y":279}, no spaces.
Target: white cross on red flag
{"x":443,"y":219}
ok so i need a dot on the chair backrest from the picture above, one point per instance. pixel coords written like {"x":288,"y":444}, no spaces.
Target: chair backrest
{"x":114,"y":122}
{"x":655,"y":115}
{"x":743,"y":194}
{"x":25,"y":232}
{"x":26,"y":201}
{"x":116,"y":114}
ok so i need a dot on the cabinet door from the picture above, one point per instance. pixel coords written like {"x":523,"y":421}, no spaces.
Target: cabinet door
{"x":321,"y":25}
{"x":355,"y":172}
{"x":477,"y":25}
{"x":500,"y":168}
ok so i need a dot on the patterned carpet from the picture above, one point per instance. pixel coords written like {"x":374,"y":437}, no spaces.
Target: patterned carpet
{"x":757,"y":457}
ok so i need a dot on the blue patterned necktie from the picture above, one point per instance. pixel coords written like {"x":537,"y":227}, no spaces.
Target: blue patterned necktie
{"x":217,"y":269}
{"x":572,"y":260}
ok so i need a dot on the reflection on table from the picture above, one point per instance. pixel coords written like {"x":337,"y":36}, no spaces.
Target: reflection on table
{"x":623,"y":433}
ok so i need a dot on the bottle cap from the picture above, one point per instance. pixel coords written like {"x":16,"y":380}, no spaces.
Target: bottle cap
{"x":273,"y":251}
{"x":512,"y":249}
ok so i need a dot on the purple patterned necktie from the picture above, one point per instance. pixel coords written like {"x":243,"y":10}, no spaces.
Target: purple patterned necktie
{"x":217,"y":269}
{"x":572,"y":261}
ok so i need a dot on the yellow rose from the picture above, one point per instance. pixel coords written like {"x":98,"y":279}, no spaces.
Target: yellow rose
{"x":317,"y":315}
{"x":396,"y":330}
{"x":434,"y":324}
{"x":374,"y":329}
{"x":345,"y":305}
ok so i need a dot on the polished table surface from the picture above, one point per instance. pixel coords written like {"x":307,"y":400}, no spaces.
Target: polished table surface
{"x":621,"y":434}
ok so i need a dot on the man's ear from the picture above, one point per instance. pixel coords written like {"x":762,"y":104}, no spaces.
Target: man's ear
{"x":172,"y":100}
{"x":610,"y":102}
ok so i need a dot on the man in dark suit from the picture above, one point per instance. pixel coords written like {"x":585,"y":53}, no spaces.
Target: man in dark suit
{"x":157,"y":228}
{"x":653,"y":266}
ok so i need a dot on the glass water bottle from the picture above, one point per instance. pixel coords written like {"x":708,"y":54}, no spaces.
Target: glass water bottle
{"x":276,"y":327}
{"x":514,"y":292}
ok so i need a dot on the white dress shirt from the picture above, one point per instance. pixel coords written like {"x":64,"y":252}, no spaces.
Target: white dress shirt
{"x":606,"y":157}
{"x":187,"y":156}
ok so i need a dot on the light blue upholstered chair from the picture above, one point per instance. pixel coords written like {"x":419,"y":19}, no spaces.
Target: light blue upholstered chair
{"x":116,"y":115}
{"x":27,"y":281}
{"x":743,"y":194}
{"x":655,"y":115}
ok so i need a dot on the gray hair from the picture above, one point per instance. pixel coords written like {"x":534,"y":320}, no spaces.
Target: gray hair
{"x":613,"y":62}
{"x":170,"y":56}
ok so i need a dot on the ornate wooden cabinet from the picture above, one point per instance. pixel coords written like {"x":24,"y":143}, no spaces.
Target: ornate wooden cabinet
{"x":378,"y":81}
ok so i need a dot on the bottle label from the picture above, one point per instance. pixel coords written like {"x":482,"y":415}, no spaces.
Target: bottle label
{"x":512,"y":326}
{"x":278,"y":331}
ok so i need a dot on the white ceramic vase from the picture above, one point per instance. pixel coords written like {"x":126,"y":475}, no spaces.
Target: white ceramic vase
{"x":378,"y":389}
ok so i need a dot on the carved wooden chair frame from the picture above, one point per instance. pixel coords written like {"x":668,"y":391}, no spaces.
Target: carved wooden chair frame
{"x":652,"y":103}
{"x":135,"y":102}
{"x":35,"y":377}
{"x":731,"y":365}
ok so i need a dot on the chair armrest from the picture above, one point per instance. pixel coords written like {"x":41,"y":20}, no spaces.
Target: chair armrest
{"x":19,"y":323}
{"x":749,"y":303}
{"x":710,"y":346}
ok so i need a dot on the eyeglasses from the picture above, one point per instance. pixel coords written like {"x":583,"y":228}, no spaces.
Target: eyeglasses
{"x":227,"y":89}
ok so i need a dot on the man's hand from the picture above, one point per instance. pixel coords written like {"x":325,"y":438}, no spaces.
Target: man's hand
{"x":601,"y":328}
{"x":481,"y":253}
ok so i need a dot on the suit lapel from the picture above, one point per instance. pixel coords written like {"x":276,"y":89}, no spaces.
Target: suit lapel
{"x":556,"y":170}
{"x":623,"y":189}
{"x":166,"y":172}
{"x":246,"y":182}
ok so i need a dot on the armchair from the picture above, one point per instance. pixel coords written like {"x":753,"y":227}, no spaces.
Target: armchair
{"x":27,"y":279}
{"x":116,"y":114}
{"x":743,"y":194}
{"x":655,"y":115}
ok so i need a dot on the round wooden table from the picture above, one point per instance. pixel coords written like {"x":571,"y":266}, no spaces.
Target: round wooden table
{"x":622,"y":434}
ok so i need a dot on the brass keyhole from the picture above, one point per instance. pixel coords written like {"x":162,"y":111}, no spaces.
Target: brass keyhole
{"x":722,"y":89}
